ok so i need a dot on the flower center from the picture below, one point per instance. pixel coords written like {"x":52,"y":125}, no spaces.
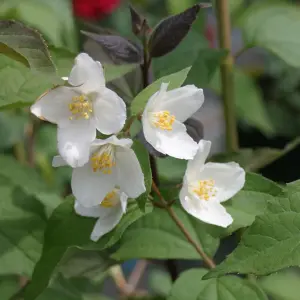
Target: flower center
{"x":80,"y":107}
{"x":205,"y":189}
{"x":163,"y":120}
{"x":104,"y":159}
{"x":111,"y":199}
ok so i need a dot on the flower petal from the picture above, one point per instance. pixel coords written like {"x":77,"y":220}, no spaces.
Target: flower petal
{"x":210,"y":212}
{"x":123,"y":200}
{"x":58,"y":161}
{"x":195,"y":165}
{"x":156,"y":98}
{"x":74,"y":142}
{"x":130,"y":177}
{"x":111,"y":140}
{"x":53,"y":106}
{"x":182,"y":102}
{"x":87,"y":74}
{"x":229,"y":178}
{"x":93,"y":212}
{"x":109,"y":112}
{"x":89,"y":187}
{"x":176,"y":142}
{"x":106,"y":223}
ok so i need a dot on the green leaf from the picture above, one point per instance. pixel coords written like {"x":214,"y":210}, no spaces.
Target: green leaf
{"x":190,"y":286}
{"x":205,"y":66}
{"x":8,"y":286}
{"x":244,"y":207}
{"x":171,"y":169}
{"x":258,"y":183}
{"x":26,"y":45}
{"x":11,"y":128}
{"x":248,"y":100}
{"x":175,"y":81}
{"x":22,"y":220}
{"x":20,"y":86}
{"x":66,"y":229}
{"x":160,"y":282}
{"x":65,"y":289}
{"x":29,"y":181}
{"x":156,"y":236}
{"x":251,"y":201}
{"x":143,"y":158}
{"x":54,"y":19}
{"x":93,"y":266}
{"x":273,"y":27}
{"x":113,"y":72}
{"x":256,"y":159}
{"x":63,"y":59}
{"x":271,"y":242}
{"x":282,"y":286}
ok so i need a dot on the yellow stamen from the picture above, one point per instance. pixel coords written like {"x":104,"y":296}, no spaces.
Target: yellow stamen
{"x":81,"y":107}
{"x":110,"y":199}
{"x":205,"y":189}
{"x":163,"y":120}
{"x":104,"y":160}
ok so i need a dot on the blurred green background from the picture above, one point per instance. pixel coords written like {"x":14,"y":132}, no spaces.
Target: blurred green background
{"x":267,"y":82}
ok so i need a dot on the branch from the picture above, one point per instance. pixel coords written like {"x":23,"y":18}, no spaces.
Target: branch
{"x":127,"y":289}
{"x":137,"y":273}
{"x":224,"y":29}
{"x":208,"y":261}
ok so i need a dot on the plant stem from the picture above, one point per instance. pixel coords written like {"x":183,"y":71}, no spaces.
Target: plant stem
{"x":208,"y":261}
{"x":127,"y":289}
{"x":20,"y":152}
{"x":224,"y":31}
{"x":137,"y":274}
{"x":30,"y":140}
{"x":146,"y":81}
{"x":19,"y":294}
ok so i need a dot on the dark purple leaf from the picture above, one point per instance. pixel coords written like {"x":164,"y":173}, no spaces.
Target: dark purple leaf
{"x":168,"y":34}
{"x":117,"y":47}
{"x":140,"y":25}
{"x":194,"y":129}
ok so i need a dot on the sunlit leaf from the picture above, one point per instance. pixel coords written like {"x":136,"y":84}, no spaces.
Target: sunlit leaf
{"x":26,"y":45}
{"x":157,"y":236}
{"x":271,"y":242}
{"x":190,"y":286}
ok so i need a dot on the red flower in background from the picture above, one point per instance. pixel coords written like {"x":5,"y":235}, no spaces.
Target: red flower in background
{"x":93,"y":9}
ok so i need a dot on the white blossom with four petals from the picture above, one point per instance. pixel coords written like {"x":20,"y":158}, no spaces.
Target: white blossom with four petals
{"x":207,"y":185}
{"x":109,"y":212}
{"x":163,"y":119}
{"x":80,"y":109}
{"x":111,"y":163}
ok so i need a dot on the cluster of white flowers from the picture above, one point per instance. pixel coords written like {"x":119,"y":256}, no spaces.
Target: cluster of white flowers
{"x":107,"y":172}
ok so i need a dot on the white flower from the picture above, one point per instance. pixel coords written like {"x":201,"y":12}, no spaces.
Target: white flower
{"x":206,"y":186}
{"x":163,"y":120}
{"x":80,"y":109}
{"x":111,"y":163}
{"x":109,"y":212}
